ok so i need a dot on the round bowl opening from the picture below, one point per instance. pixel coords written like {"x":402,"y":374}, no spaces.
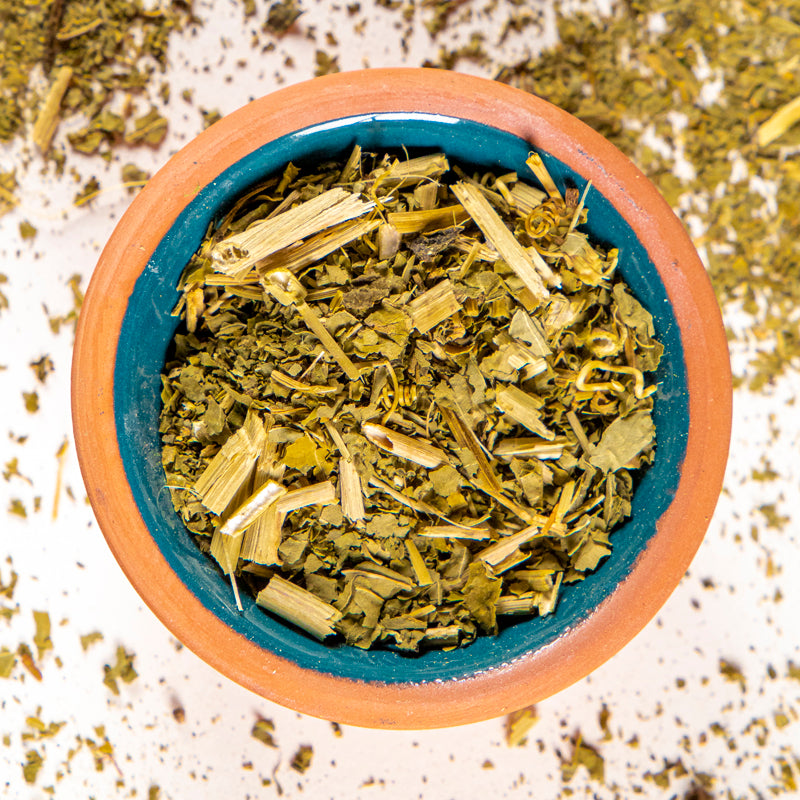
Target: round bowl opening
{"x":147,"y":329}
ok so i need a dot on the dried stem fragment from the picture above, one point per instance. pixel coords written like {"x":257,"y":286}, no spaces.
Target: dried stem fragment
{"x":46,"y":123}
{"x":529,"y":266}
{"x":434,"y":306}
{"x":417,"y":450}
{"x":299,"y":606}
{"x":317,"y":494}
{"x":235,"y":254}
{"x":351,"y":493}
{"x":780,"y":122}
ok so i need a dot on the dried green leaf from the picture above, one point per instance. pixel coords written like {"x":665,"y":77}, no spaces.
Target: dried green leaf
{"x":122,"y":670}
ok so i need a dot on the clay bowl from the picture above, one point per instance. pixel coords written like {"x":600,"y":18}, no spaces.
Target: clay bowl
{"x":126,"y":325}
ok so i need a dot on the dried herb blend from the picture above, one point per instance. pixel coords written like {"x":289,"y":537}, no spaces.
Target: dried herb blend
{"x":406,"y":400}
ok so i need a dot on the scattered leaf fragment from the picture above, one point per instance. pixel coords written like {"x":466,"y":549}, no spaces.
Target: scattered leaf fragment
{"x":33,"y":763}
{"x":31,"y":400}
{"x":88,"y":639}
{"x":583,"y":755}
{"x":263,"y":730}
{"x":301,"y":760}
{"x":122,"y":669}
{"x":518,"y":724}
{"x":42,"y":636}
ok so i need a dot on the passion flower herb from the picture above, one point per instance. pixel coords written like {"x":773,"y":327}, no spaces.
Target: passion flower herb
{"x":406,"y":401}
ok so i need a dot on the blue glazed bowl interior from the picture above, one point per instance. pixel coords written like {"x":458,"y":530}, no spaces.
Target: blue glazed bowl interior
{"x":148,"y":328}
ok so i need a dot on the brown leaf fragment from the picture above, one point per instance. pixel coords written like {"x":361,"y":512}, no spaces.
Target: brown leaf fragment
{"x":361,"y":299}
{"x":427,"y":247}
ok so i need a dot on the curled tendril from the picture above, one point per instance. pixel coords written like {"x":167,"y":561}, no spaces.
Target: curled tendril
{"x":639,"y":390}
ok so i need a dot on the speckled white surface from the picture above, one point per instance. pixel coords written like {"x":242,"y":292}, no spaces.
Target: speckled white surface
{"x":739,"y":602}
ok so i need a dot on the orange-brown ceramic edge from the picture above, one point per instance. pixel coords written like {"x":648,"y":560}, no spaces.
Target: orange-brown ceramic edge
{"x":656,"y":572}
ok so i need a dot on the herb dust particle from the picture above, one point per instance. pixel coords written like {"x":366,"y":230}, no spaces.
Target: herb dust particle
{"x":406,"y":402}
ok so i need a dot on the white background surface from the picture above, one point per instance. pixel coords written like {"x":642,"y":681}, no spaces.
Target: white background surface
{"x":739,"y":602}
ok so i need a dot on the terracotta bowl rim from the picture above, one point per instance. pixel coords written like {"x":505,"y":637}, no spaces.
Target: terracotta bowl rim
{"x":680,"y":529}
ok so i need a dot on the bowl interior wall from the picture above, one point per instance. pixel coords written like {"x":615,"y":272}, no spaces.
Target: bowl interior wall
{"x":148,"y":328}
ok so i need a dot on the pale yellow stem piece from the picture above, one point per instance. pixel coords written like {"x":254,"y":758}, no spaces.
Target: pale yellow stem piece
{"x":46,"y":123}
{"x":780,"y":122}
{"x":579,"y":432}
{"x":61,"y":455}
{"x":419,"y":451}
{"x":528,"y":265}
{"x":445,"y":637}
{"x":263,"y":538}
{"x":579,"y":208}
{"x":503,"y":548}
{"x":232,"y":466}
{"x":252,"y":508}
{"x":466,"y":438}
{"x":351,"y":493}
{"x":412,"y":171}
{"x":317,"y":247}
{"x":299,"y":606}
{"x":337,"y":439}
{"x":317,"y":494}
{"x":526,"y":197}
{"x":425,"y":195}
{"x":434,"y":306}
{"x":235,"y":588}
{"x":352,"y":168}
{"x":418,"y":564}
{"x":395,"y":391}
{"x":315,"y":325}
{"x":289,"y":382}
{"x":530,"y":448}
{"x":564,"y":502}
{"x":455,"y":532}
{"x":235,"y":254}
{"x":416,"y":505}
{"x":428,"y":219}
{"x":537,"y":167}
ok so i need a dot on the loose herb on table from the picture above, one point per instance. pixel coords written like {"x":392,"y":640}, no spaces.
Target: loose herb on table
{"x":406,"y":400}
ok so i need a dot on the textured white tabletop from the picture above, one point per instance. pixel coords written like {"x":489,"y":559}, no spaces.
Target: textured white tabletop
{"x":706,"y":684}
